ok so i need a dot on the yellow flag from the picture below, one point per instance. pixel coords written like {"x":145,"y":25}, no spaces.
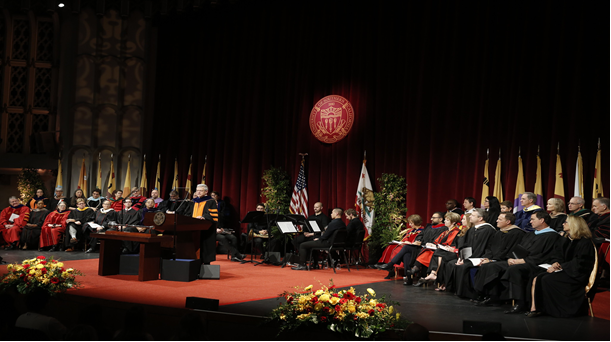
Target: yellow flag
{"x":98,"y":183}
{"x":127,"y":189}
{"x":158,"y":178}
{"x":82,"y":178}
{"x":520,"y":188}
{"x":597,"y":190}
{"x":188,"y":184}
{"x":143,"y":179}
{"x":204,"y":172}
{"x":498,"y":186}
{"x":58,"y":181}
{"x":578,"y":190}
{"x":175,"y":182}
{"x":559,"y":187}
{"x":486,"y":184}
{"x":539,"y":185}
{"x":111,"y":177}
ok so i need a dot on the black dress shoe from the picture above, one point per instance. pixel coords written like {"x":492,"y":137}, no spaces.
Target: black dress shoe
{"x":420,"y":282}
{"x":315,"y":266}
{"x":53,"y":249}
{"x":515,"y":309}
{"x":299,"y":268}
{"x":236,"y":259}
{"x":532,"y":314}
{"x":391,"y":274}
{"x":386,"y":267}
{"x":408,"y":281}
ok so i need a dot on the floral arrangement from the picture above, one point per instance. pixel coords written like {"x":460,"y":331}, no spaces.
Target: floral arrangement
{"x":40,"y":273}
{"x":342,"y":311}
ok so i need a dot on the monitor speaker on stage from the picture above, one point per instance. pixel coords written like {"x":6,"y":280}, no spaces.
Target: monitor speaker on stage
{"x":481,"y":328}
{"x":198,"y":303}
{"x":210,"y":272}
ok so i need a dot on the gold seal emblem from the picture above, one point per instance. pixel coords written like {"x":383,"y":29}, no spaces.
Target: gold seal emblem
{"x":159,"y":218}
{"x":331,"y":119}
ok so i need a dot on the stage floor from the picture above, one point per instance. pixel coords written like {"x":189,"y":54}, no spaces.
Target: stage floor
{"x":438,"y":311}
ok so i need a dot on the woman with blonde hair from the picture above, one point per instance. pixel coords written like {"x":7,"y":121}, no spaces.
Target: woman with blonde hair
{"x":560,"y":291}
{"x":555,"y":207}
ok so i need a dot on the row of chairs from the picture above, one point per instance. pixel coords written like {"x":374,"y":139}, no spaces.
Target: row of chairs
{"x":339,"y":243}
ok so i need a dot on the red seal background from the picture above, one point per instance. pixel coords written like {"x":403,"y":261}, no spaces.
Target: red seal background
{"x":331,"y":119}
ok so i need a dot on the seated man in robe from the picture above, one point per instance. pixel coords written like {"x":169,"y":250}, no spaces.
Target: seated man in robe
{"x":129,"y":216}
{"x":76,"y":224}
{"x":12,"y":220}
{"x":506,"y":280}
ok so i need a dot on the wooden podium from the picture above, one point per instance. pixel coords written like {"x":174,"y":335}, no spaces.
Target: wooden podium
{"x":187,"y":232}
{"x":187,"y":243}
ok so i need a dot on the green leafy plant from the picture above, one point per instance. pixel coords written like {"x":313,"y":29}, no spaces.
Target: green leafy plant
{"x":27,"y":183}
{"x":277,"y":190}
{"x":389,"y":206}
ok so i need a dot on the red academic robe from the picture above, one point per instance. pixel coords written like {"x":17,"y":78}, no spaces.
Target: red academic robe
{"x":13,"y":234}
{"x":446,"y":238}
{"x":393,"y":249}
{"x":51,"y":236}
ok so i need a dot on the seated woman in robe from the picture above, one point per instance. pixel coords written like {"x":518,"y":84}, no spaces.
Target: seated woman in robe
{"x":53,"y":227}
{"x":31,"y":232}
{"x":77,"y":194}
{"x":76,"y":224}
{"x":555,"y":207}
{"x":442,"y":250}
{"x":560,"y":291}
{"x":40,"y":196}
{"x":462,"y":241}
{"x":116,"y":200}
{"x":414,"y":223}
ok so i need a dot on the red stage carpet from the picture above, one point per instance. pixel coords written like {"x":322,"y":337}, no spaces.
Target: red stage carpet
{"x":238,"y":283}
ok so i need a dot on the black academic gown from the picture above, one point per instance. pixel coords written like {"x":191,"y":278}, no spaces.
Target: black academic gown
{"x":103,"y":219}
{"x":562,"y":294}
{"x":31,"y":235}
{"x":487,"y":279}
{"x":207,"y":238}
{"x":129,"y":217}
{"x":83,"y":216}
{"x":480,"y":244}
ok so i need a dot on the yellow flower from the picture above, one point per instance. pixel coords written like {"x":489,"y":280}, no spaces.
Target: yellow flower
{"x":303,"y":299}
{"x":308,"y":288}
{"x":32,"y":271}
{"x":398,"y":315}
{"x":60,"y":264}
{"x":362,"y":315}
{"x":373,"y":302}
{"x":324,"y":298}
{"x":303,"y":317}
{"x":319,"y":292}
{"x":70,"y":270}
{"x":391,"y":309}
{"x":371,"y":292}
{"x":351,"y":308}
{"x":334,"y":300}
{"x":283,"y":317}
{"x":9,"y":267}
{"x":318,"y":306}
{"x":40,"y":266}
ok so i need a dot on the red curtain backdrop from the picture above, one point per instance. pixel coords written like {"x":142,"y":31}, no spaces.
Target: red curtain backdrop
{"x":433,"y":85}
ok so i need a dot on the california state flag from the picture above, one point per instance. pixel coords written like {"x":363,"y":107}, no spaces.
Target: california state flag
{"x":364,"y":200}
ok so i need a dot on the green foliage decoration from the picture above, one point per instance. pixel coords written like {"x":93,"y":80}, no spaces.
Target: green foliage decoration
{"x":277,"y":190}
{"x":390,"y":210}
{"x":27,"y":183}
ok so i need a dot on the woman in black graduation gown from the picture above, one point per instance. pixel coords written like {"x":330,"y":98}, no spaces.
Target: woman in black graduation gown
{"x":560,"y":292}
{"x":555,"y":207}
{"x":31,"y":232}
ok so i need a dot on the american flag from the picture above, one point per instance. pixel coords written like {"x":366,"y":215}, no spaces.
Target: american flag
{"x":299,"y":200}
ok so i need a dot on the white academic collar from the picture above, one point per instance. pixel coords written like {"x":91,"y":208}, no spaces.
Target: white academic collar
{"x":479,"y":225}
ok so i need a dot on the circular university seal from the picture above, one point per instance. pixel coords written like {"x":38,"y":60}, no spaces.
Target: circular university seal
{"x":159,"y":218}
{"x":331,"y":119}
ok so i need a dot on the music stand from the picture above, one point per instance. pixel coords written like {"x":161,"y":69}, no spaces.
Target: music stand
{"x":272,"y":218}
{"x":254,"y":217}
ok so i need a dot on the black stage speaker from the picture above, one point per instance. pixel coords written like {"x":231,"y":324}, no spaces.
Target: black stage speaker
{"x":481,"y":328}
{"x":198,"y":303}
{"x":180,"y":269}
{"x":210,"y":272}
{"x":129,"y":264}
{"x":273,"y":257}
{"x":290,"y":258}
